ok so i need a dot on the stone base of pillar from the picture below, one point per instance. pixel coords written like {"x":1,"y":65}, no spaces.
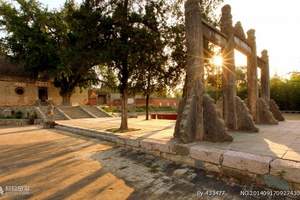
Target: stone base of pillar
{"x":49,"y":124}
{"x":276,"y":111}
{"x":189,"y":124}
{"x":245,"y":120}
{"x":219,"y":105}
{"x":263,"y":113}
{"x":214,"y":126}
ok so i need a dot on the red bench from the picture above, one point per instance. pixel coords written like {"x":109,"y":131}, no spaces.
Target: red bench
{"x":169,"y":116}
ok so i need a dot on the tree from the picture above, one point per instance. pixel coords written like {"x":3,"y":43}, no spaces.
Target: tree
{"x":286,"y":92}
{"x":294,"y":91}
{"x":107,"y":78}
{"x":172,"y":38}
{"x":153,"y":74}
{"x":132,"y":22}
{"x":122,"y":57}
{"x":27,"y":38}
{"x":241,"y":81}
{"x":64,"y":45}
{"x":130,"y":44}
{"x":81,"y":39}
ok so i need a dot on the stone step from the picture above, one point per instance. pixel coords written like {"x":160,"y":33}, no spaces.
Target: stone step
{"x":75,"y":112}
{"x":95,"y":111}
{"x":57,"y":114}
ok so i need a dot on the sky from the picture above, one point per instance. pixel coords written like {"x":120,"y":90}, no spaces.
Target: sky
{"x":277,"y":25}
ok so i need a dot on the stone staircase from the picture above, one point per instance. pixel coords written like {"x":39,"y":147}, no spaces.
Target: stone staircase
{"x":75,"y":112}
{"x":57,"y":115}
{"x":97,"y":112}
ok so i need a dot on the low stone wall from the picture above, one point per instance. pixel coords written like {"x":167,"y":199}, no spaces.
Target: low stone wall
{"x":19,"y":122}
{"x":265,"y":171}
{"x":14,"y":122}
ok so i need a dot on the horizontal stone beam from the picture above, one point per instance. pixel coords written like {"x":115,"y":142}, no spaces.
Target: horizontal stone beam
{"x":242,"y":46}
{"x":214,"y":35}
{"x":260,"y":62}
{"x":218,"y":38}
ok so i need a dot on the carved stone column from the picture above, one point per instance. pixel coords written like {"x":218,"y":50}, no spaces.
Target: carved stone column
{"x":252,"y":74}
{"x":189,"y":124}
{"x":229,"y":77}
{"x":265,"y":77}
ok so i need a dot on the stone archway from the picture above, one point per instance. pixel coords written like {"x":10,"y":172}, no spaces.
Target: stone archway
{"x":198,"y":118}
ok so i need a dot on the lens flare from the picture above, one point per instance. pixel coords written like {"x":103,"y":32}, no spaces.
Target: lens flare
{"x":217,"y":60}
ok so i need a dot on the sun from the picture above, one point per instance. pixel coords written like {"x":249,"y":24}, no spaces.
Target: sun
{"x":217,"y":60}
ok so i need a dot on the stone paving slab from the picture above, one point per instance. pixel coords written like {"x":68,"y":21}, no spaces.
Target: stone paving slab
{"x":266,"y":157}
{"x":276,"y":141}
{"x":289,"y":170}
{"x":247,"y":162}
{"x":207,"y":154}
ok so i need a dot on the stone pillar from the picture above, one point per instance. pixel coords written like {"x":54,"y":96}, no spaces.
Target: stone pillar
{"x":195,"y":70}
{"x":192,"y":123}
{"x":194,"y":39}
{"x":265,"y":77}
{"x":189,"y":124}
{"x":265,"y":89}
{"x":229,"y":77}
{"x":252,"y":74}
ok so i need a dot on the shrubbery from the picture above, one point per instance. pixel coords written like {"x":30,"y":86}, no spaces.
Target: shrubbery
{"x":286,"y":92}
{"x":20,"y":115}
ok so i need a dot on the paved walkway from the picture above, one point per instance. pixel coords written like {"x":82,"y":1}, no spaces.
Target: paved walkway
{"x":52,"y":164}
{"x":280,"y":141}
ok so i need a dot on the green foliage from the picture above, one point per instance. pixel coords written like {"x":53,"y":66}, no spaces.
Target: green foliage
{"x":286,"y":92}
{"x":213,"y":92}
{"x":19,"y":115}
{"x":140,"y":43}
{"x":108,"y":78}
{"x":153,"y":74}
{"x":242,"y":91}
{"x":110,"y":109}
{"x":15,"y":115}
{"x":241,"y":81}
{"x":62,"y":45}
{"x":27,"y":39}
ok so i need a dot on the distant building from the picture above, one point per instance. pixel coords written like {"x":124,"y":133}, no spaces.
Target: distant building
{"x":101,"y":97}
{"x":18,"y":89}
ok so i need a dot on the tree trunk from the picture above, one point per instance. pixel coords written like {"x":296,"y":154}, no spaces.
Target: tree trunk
{"x":147,"y":106}
{"x":124,"y":69}
{"x":66,"y":99}
{"x":124,"y":111}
